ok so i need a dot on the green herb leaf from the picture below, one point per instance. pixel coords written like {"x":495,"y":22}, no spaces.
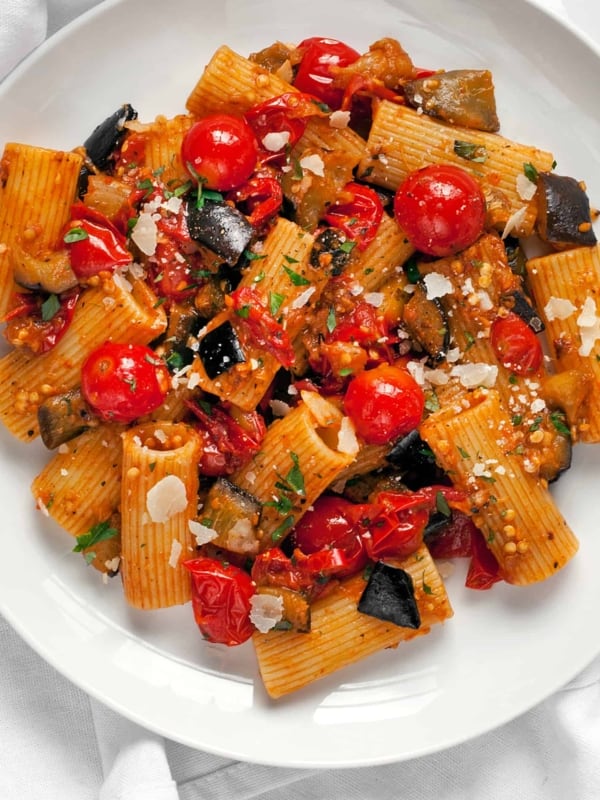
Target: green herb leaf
{"x":412,"y":270}
{"x":281,"y":530}
{"x":463,"y":453}
{"x":243,"y":312}
{"x":331,"y":320}
{"x":75,"y":235}
{"x":427,"y":589}
{"x":530,"y":172}
{"x":275,"y":301}
{"x":441,"y":504}
{"x":295,"y":478}
{"x":470,"y":151}
{"x":50,"y":306}
{"x":348,"y":246}
{"x":559,"y":421}
{"x":97,"y":533}
{"x":296,"y":278}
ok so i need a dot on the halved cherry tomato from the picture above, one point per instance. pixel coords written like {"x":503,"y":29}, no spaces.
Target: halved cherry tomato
{"x":261,"y":326}
{"x":335,"y":523}
{"x":260,"y":199}
{"x":220,"y":151}
{"x":227,"y":443}
{"x":94,"y":243}
{"x":32,"y":323}
{"x":453,"y":540}
{"x":515,"y":344}
{"x":484,"y":570}
{"x":286,"y":114}
{"x":121,"y":382}
{"x":314,"y":74}
{"x":398,"y":530}
{"x":221,"y":600}
{"x":384,"y":403}
{"x":358,"y":213}
{"x":441,"y":208}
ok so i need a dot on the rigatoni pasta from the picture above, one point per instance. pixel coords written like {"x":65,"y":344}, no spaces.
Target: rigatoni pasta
{"x":276,"y":381}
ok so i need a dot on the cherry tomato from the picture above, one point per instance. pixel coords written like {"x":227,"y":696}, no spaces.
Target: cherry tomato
{"x":285,"y":114}
{"x":94,"y":243}
{"x":314,"y":74}
{"x":121,"y":382}
{"x":453,"y":540}
{"x":484,"y":570}
{"x":516,"y":345}
{"x":334,"y":522}
{"x":221,"y":600}
{"x":260,"y":199}
{"x":441,"y":208}
{"x":359,"y":215}
{"x":228,"y":444}
{"x":260,"y":325}
{"x":384,"y":403}
{"x":30,"y":323}
{"x":220,"y":151}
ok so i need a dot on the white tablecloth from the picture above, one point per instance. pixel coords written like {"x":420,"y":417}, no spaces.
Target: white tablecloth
{"x":58,"y":744}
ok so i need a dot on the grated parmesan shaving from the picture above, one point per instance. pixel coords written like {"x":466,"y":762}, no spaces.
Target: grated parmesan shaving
{"x":476,"y":374}
{"x":514,"y":222}
{"x":202,"y":533}
{"x":437,"y":285}
{"x":176,"y":548}
{"x":314,"y":164}
{"x":266,"y":611}
{"x":166,"y":498}
{"x":145,"y":234}
{"x":347,"y":441}
{"x":339,"y":119}
{"x":302,"y":299}
{"x":275,"y":141}
{"x":558,"y":308}
{"x":525,"y":188}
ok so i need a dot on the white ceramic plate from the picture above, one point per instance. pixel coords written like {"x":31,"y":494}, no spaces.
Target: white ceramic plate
{"x":505,"y":650}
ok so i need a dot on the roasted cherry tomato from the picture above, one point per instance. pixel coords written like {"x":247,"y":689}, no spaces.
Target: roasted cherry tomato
{"x":334,"y":522}
{"x":441,"y":208}
{"x":260,"y":199}
{"x":516,"y":345}
{"x":453,"y":540}
{"x":384,"y":403}
{"x":484,"y":570}
{"x":221,"y":600}
{"x":260,"y":325}
{"x":315,"y":75}
{"x":279,"y":122}
{"x":121,"y":382}
{"x":95,"y":244}
{"x":227,"y":443}
{"x":40,"y":323}
{"x":358,"y":213}
{"x":220,"y":151}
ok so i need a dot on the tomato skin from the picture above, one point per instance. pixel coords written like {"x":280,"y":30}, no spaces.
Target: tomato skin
{"x":121,"y":382}
{"x":441,"y":208}
{"x":334,"y":523}
{"x":484,"y":570}
{"x":103,"y":248}
{"x":261,"y":199}
{"x":314,"y":74}
{"x":28,"y":315}
{"x":384,"y":403}
{"x":454,"y":539}
{"x":287,"y":113}
{"x":221,"y":600}
{"x":358,"y":216}
{"x":260,"y":325}
{"x":516,"y":345}
{"x":220,"y":151}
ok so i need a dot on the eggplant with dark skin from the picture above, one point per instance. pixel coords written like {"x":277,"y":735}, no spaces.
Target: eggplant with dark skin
{"x":520,"y":305}
{"x":221,"y":227}
{"x":108,"y":137}
{"x":390,"y":596}
{"x":331,"y":251}
{"x":415,"y":461}
{"x":234,"y":514}
{"x":426,"y":322}
{"x":63,"y":417}
{"x":220,"y":350}
{"x":463,"y":97}
{"x":564,"y":217}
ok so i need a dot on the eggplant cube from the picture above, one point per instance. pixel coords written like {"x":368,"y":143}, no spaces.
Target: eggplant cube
{"x":389,"y":595}
{"x":222,"y":228}
{"x":564,"y":216}
{"x":220,"y":350}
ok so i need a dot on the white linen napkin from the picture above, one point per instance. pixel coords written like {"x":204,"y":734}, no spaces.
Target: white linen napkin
{"x":59,"y":744}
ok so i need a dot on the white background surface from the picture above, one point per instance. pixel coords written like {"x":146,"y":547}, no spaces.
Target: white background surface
{"x":552,"y":751}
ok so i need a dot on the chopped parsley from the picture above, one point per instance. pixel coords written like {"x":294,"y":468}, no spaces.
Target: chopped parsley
{"x":50,"y":307}
{"x":75,"y":235}
{"x":470,"y":151}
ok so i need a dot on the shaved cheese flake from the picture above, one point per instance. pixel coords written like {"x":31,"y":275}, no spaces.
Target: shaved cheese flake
{"x":275,"y":141}
{"x":558,"y":308}
{"x":121,"y":281}
{"x":437,"y":285}
{"x":302,"y":299}
{"x":166,"y":498}
{"x":242,"y":538}
{"x":202,"y":533}
{"x":145,"y":234}
{"x":374,"y":299}
{"x":514,"y":222}
{"x":266,"y":611}
{"x":525,"y":188}
{"x":176,"y":548}
{"x":339,"y":119}
{"x":589,"y":327}
{"x":173,"y":204}
{"x":347,"y":441}
{"x":314,"y":164}
{"x":477,"y":374}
